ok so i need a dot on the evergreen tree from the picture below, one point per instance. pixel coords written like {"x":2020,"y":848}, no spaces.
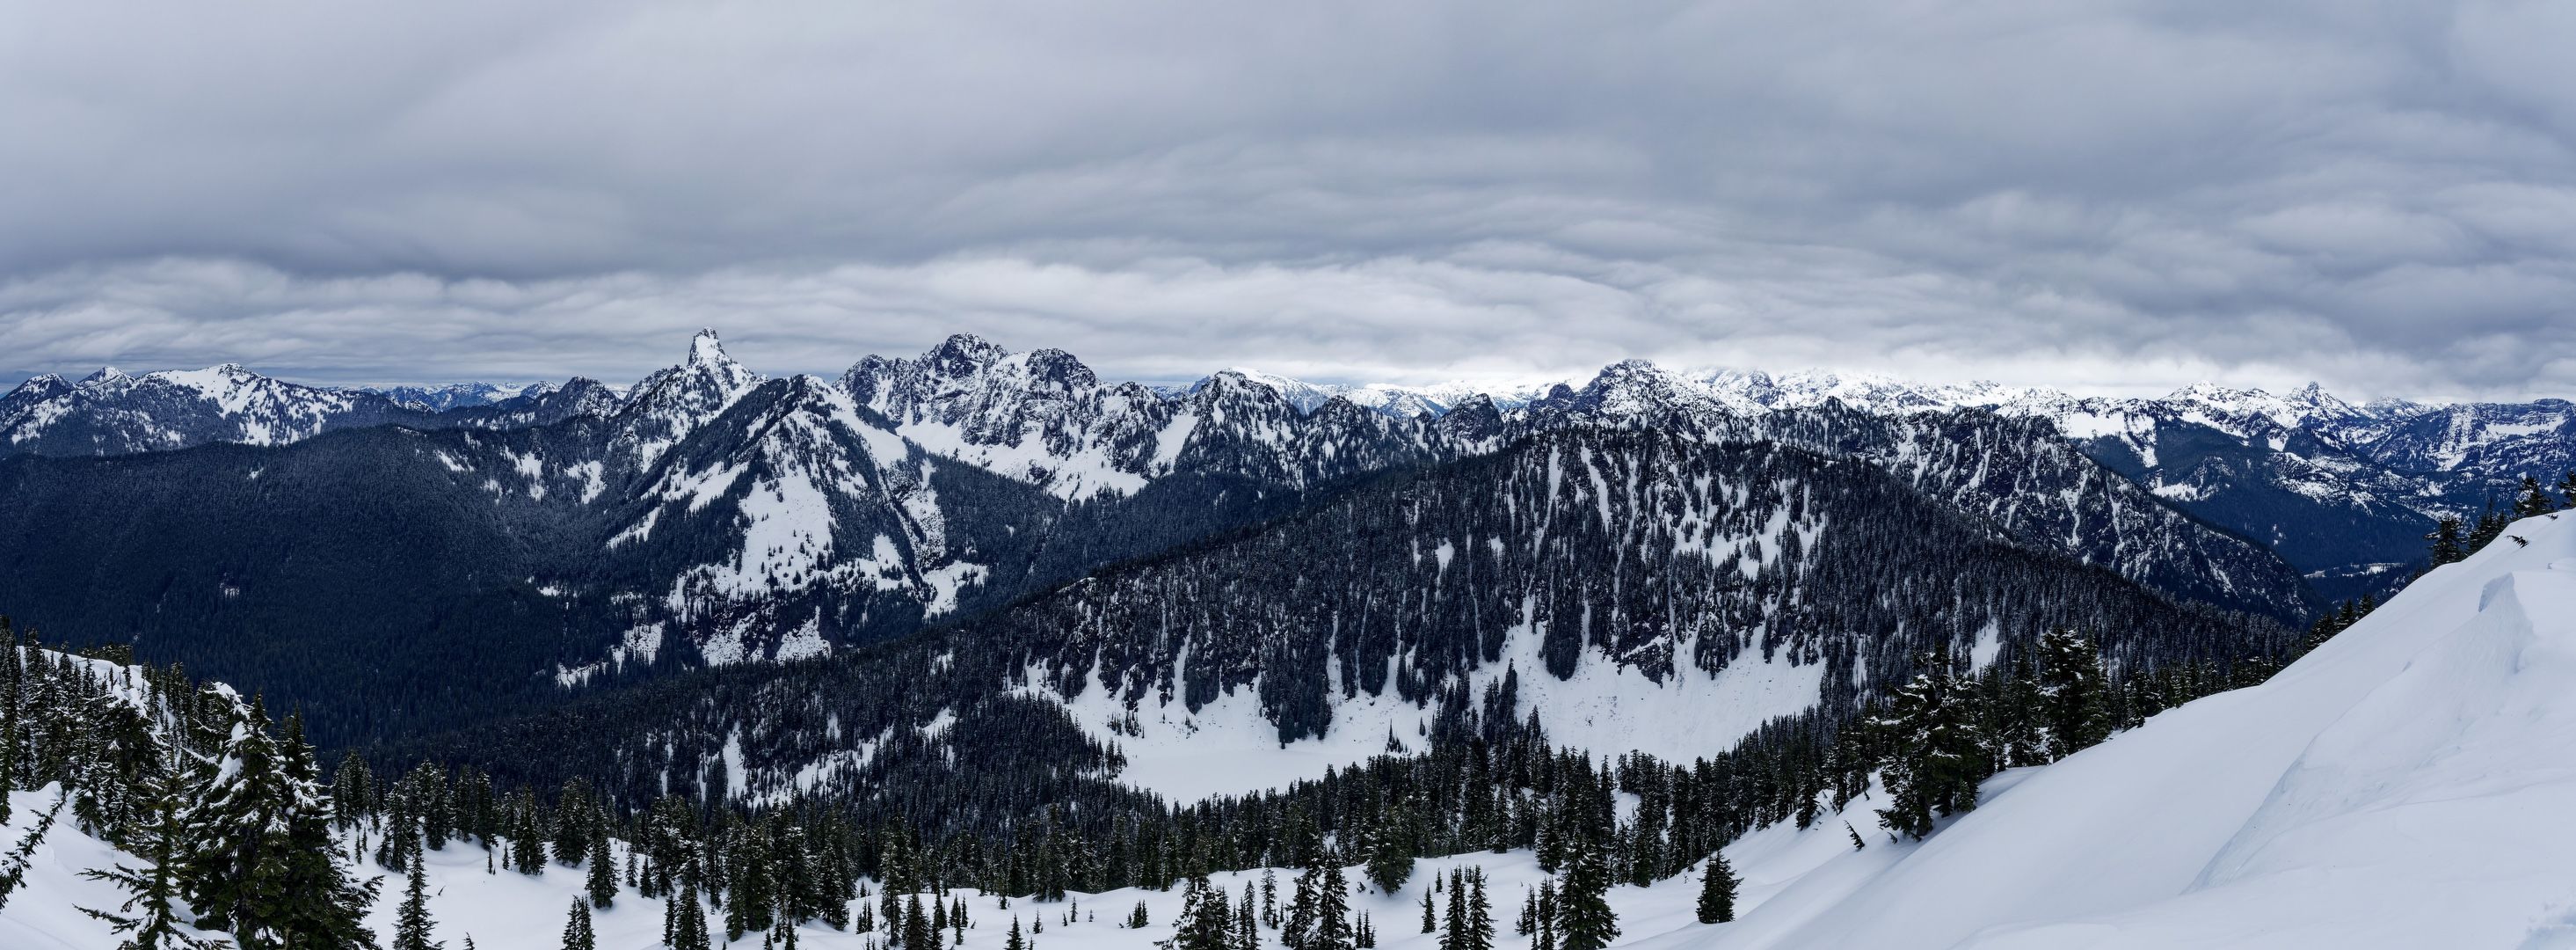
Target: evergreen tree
{"x":149,"y":916}
{"x":572,"y":834}
{"x":2490,"y":525}
{"x":1205,"y":921}
{"x":321,"y":905}
{"x":1453,"y":921}
{"x":916,"y":931}
{"x":1584,"y":920}
{"x":1390,"y":859}
{"x":688,"y":927}
{"x":577,"y":933}
{"x":1938,"y":760}
{"x":1547,"y":904}
{"x":1429,"y":923}
{"x":782,"y":934}
{"x":1298,"y":930}
{"x":601,"y":886}
{"x":2016,"y":733}
{"x":412,"y":924}
{"x":1015,"y":941}
{"x":1269,"y":898}
{"x":2448,"y":547}
{"x":1717,"y":891}
{"x":1247,"y":922}
{"x":2074,"y":694}
{"x":2533,"y":501}
{"x":1479,"y":925}
{"x":353,"y":792}
{"x":527,"y":834}
{"x":241,"y":801}
{"x":1332,"y":911}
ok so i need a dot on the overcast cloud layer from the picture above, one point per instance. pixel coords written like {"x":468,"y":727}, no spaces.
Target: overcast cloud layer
{"x":2103,"y":196}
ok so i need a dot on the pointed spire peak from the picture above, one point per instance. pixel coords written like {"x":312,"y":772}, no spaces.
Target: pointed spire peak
{"x":705,"y":349}
{"x":105,"y":374}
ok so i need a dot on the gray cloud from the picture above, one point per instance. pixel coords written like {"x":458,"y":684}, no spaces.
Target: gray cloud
{"x":2107,"y":196}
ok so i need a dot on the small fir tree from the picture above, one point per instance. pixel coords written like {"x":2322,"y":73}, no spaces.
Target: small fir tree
{"x":1717,"y":890}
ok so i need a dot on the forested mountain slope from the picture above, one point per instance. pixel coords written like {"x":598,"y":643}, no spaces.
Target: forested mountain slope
{"x":1632,"y":591}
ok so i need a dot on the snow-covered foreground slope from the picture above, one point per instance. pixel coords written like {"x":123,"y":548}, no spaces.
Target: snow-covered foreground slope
{"x":505,"y":910}
{"x":2410,"y":784}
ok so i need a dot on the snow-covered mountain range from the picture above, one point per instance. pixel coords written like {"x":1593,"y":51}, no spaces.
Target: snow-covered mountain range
{"x":456,"y":395}
{"x":2342,"y":490}
{"x":963,"y":581}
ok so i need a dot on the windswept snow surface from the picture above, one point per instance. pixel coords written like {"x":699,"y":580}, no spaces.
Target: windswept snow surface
{"x":2410,"y":784}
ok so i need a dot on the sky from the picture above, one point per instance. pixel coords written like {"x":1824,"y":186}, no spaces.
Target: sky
{"x":2106,"y":197}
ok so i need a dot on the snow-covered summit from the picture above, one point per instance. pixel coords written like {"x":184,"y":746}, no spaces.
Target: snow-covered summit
{"x":109,"y":412}
{"x":669,"y":404}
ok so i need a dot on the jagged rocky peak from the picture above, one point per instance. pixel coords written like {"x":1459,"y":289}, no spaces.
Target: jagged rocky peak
{"x":963,"y":354}
{"x":105,"y":374}
{"x":1060,"y":371}
{"x":673,"y":402}
{"x":1628,"y":393}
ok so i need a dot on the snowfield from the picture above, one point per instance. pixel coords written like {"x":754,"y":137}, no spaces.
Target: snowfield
{"x":2410,"y":784}
{"x":506,"y":910}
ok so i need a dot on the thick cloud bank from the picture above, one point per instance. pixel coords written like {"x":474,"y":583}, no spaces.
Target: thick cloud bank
{"x":2381,"y":197}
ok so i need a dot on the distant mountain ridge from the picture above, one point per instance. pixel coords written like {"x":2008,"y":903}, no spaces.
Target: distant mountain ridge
{"x":715,"y":516}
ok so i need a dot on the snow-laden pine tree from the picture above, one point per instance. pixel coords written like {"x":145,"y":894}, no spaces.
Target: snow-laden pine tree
{"x":2074,"y":695}
{"x":149,"y":917}
{"x":324,"y":906}
{"x":1936,"y":759}
{"x":260,"y":863}
{"x":1205,"y":922}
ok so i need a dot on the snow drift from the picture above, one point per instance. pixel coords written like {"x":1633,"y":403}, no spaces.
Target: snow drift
{"x":2410,"y":784}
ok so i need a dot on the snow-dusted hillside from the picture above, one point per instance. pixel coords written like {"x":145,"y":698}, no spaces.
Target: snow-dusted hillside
{"x":111,"y":413}
{"x":2406,"y":785}
{"x":1628,"y":591}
